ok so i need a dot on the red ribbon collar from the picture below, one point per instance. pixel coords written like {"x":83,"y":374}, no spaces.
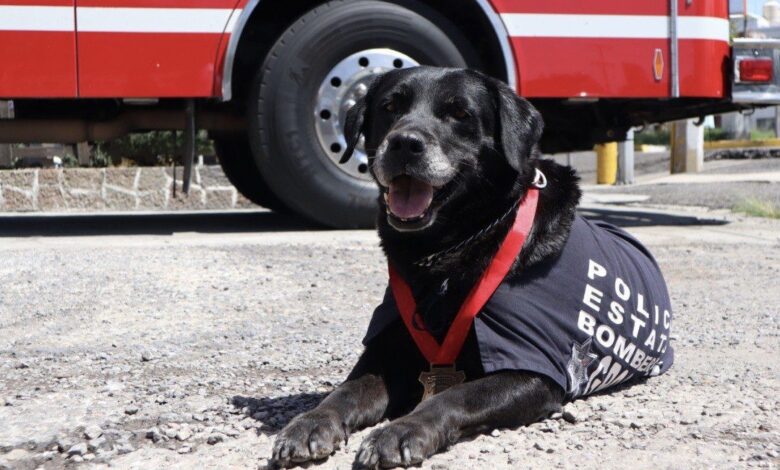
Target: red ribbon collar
{"x":448,"y":351}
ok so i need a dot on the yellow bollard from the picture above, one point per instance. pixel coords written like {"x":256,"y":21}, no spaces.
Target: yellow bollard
{"x":606,"y":163}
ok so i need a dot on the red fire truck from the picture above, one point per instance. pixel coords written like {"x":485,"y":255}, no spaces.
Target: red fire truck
{"x":271,"y":80}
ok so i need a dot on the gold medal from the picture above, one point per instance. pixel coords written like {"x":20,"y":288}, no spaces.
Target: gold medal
{"x":439,"y":379}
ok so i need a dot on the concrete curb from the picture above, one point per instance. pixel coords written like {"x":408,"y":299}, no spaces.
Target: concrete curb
{"x":689,"y":178}
{"x":738,"y":144}
{"x":695,"y":178}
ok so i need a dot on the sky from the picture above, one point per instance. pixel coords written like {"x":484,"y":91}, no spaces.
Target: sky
{"x":754,"y":6}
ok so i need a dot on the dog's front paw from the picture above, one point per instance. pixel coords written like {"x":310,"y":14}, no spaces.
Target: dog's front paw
{"x":311,"y":436}
{"x":401,"y":443}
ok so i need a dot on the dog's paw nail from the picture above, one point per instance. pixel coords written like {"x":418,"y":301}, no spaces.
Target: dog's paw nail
{"x":313,"y":447}
{"x":367,"y":458}
{"x":407,"y":455}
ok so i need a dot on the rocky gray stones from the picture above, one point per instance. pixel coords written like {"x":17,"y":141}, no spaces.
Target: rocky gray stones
{"x":148,"y":356}
{"x":183,"y":434}
{"x":96,"y":443}
{"x":268,"y":341}
{"x":93,"y":431}
{"x":154,"y":434}
{"x":124,"y":447}
{"x":78,"y":449}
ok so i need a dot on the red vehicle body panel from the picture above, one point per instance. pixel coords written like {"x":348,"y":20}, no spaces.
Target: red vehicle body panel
{"x":177,"y":48}
{"x":588,"y":67}
{"x":554,"y":61}
{"x":38,"y":57}
{"x":155,"y":65}
{"x":703,"y":64}
{"x":152,"y":56}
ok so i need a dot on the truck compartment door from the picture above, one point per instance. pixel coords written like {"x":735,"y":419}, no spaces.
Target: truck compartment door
{"x":150,"y":48}
{"x":590,"y":49}
{"x":37,"y":49}
{"x":617,"y":48}
{"x":703,"y":44}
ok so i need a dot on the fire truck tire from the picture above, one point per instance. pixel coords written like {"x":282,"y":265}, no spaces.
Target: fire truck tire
{"x":283,"y":103}
{"x":235,"y":158}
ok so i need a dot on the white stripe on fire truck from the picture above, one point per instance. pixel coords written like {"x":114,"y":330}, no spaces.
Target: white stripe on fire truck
{"x":703,"y":27}
{"x":217,"y":20}
{"x":233,"y":20}
{"x":614,"y":26}
{"x":36,"y":18}
{"x":153,"y":20}
{"x":99,"y":19}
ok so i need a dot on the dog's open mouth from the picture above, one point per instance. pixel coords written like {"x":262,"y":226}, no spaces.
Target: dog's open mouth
{"x":409,"y":203}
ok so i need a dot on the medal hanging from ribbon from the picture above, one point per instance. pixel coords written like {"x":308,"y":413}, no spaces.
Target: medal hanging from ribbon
{"x":441,"y":357}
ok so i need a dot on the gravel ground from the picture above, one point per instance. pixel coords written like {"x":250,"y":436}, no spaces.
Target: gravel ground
{"x":191,"y":350}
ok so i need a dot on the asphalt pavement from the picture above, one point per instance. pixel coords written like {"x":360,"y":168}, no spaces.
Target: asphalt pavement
{"x":722,"y":184}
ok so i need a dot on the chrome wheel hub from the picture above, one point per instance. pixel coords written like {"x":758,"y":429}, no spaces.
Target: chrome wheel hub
{"x":340,"y":89}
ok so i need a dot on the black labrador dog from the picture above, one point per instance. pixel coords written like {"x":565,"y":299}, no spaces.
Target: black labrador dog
{"x":453,"y":152}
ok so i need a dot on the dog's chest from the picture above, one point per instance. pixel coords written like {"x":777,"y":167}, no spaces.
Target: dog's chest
{"x":438,"y":301}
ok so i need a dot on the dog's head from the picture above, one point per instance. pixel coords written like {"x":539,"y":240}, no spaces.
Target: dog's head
{"x":434,"y":136}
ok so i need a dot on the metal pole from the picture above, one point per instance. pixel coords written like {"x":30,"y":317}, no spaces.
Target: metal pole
{"x":81,"y":150}
{"x":189,"y":146}
{"x":777,"y":121}
{"x":6,"y":150}
{"x":606,"y":163}
{"x":626,"y":159}
{"x":673,"y":47}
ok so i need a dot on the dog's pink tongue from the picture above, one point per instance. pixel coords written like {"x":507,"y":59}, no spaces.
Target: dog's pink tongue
{"x":409,"y":198}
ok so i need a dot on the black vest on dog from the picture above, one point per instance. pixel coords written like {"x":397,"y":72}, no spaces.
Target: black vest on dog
{"x":596,"y":316}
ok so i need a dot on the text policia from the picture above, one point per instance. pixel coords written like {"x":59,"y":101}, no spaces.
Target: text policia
{"x":628,"y":325}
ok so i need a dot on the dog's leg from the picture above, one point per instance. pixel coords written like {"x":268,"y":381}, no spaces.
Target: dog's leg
{"x":359,"y":402}
{"x":506,"y":400}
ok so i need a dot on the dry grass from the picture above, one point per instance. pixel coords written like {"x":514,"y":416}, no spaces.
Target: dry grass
{"x":758,"y":208}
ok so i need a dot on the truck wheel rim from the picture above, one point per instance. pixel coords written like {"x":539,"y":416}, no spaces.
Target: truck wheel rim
{"x":340,"y":89}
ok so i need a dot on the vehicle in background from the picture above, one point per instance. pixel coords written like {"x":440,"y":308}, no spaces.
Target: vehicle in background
{"x":271,"y":80}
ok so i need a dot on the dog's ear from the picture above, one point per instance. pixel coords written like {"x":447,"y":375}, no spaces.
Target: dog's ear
{"x":353,"y":127}
{"x":519,"y":125}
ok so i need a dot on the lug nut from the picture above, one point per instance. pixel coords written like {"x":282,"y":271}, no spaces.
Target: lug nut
{"x":360,"y":90}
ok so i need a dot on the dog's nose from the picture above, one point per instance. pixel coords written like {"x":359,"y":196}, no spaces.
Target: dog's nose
{"x":410,"y":142}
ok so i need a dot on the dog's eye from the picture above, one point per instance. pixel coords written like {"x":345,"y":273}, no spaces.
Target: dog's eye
{"x":390,"y":107}
{"x":459,"y":113}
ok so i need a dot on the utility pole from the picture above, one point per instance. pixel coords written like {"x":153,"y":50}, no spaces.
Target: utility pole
{"x":625,"y":169}
{"x":687,"y":147}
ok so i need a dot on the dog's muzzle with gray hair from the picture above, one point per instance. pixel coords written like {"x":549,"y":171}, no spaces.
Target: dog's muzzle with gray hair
{"x":411,"y":168}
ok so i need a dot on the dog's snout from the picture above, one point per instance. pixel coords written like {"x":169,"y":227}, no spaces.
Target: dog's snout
{"x":410,"y":142}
